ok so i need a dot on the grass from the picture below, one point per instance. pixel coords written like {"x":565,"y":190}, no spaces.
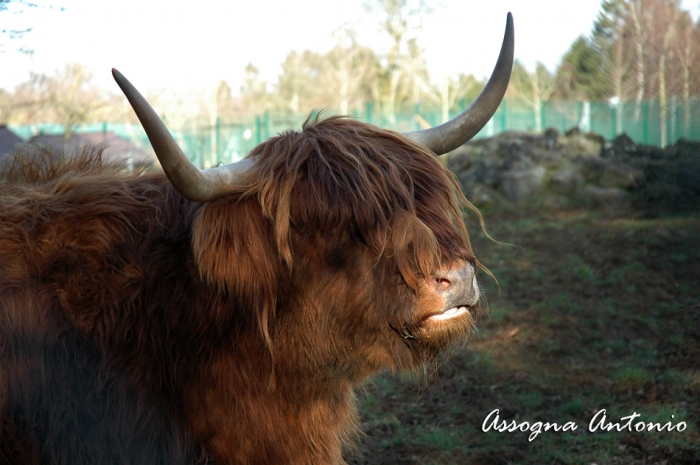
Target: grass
{"x":593,"y":313}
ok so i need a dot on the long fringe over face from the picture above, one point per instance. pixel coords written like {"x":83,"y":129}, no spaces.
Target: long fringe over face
{"x":391,"y":193}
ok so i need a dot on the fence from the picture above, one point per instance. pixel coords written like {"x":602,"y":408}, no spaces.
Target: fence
{"x":230,"y":139}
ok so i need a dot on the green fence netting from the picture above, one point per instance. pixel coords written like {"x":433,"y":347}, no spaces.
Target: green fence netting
{"x":229,"y":139}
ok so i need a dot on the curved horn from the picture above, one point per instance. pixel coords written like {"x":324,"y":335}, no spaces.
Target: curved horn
{"x":463,"y":127}
{"x":190,"y":181}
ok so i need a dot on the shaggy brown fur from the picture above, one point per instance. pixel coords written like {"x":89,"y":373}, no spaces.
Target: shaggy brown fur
{"x":139,"y":327}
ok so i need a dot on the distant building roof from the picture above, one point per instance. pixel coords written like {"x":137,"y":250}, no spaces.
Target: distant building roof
{"x":8,"y":139}
{"x":116,"y":148}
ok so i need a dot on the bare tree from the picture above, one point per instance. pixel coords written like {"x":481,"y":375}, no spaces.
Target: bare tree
{"x":347,"y":67}
{"x":399,"y":19}
{"x":415,"y":70}
{"x":452,"y":89}
{"x":254,"y":90}
{"x":641,"y":19}
{"x":685,"y":44}
{"x":666,"y":15}
{"x":67,"y":97}
{"x":73,"y":97}
{"x":24,"y":105}
{"x":533,"y":88}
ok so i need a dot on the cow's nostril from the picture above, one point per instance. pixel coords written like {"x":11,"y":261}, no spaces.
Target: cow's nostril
{"x":442,"y":284}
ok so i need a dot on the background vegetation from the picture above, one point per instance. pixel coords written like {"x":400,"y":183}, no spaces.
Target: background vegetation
{"x":637,"y":51}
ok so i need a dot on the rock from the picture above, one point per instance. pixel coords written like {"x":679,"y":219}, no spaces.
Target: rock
{"x":483,"y":172}
{"x":517,"y":162}
{"x":685,"y":148}
{"x":520,"y":185}
{"x":575,"y":131}
{"x":581,"y":145}
{"x":617,"y":175}
{"x":513,"y":167}
{"x":593,"y":168}
{"x":596,"y":138}
{"x":566,"y":181}
{"x":611,"y":197}
{"x":689,"y":175}
{"x":623,"y":144}
{"x":482,"y":195}
{"x":608,"y":151}
{"x":556,"y":201}
{"x":551,"y":136}
{"x":463,"y":158}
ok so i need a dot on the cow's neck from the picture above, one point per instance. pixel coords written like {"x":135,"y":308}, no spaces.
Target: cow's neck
{"x":244,"y":416}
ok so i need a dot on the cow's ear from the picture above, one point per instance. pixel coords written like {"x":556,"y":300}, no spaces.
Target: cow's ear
{"x":234,"y":249}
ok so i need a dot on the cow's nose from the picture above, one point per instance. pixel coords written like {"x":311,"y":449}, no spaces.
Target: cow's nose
{"x":457,"y":285}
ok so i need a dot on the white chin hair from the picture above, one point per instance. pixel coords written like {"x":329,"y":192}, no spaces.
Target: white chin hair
{"x":450,"y":313}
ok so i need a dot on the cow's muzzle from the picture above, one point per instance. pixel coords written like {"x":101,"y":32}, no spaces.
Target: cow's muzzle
{"x":457,"y":286}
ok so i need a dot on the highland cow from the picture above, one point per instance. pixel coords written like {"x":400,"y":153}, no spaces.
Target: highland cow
{"x":224,"y":316}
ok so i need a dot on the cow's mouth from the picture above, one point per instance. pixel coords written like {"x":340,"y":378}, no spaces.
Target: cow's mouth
{"x":452,"y":312}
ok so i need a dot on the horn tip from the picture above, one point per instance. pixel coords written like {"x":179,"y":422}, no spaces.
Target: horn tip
{"x":118,"y":77}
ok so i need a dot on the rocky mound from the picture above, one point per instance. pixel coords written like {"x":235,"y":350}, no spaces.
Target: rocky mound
{"x":575,"y":169}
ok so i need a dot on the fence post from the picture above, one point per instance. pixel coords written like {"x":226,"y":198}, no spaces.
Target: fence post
{"x":584,"y":122}
{"x":579,"y":114}
{"x":489,"y":130}
{"x":645,"y":113}
{"x":673,"y":123}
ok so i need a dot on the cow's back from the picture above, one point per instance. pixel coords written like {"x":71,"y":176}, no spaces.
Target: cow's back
{"x":91,"y":261}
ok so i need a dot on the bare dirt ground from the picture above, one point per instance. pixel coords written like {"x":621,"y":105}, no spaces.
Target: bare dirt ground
{"x":595,"y":311}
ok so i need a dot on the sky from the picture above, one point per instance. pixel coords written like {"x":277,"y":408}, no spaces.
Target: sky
{"x":184,"y":45}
